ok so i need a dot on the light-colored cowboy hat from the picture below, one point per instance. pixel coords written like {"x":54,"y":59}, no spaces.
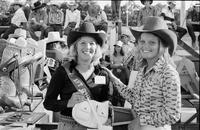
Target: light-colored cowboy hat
{"x":83,"y":113}
{"x":86,"y":29}
{"x":119,"y":43}
{"x":19,"y":32}
{"x":158,"y":27}
{"x":54,"y":37}
{"x":38,"y":5}
{"x":171,"y":2}
{"x":72,"y":3}
{"x":142,"y":1}
{"x":54,"y":3}
{"x":21,"y":42}
{"x":17,"y":3}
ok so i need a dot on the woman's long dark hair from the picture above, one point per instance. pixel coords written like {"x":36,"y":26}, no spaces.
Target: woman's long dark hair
{"x":121,"y":52}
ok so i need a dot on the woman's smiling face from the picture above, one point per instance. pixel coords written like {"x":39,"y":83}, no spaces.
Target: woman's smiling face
{"x":149,"y":46}
{"x":86,"y":47}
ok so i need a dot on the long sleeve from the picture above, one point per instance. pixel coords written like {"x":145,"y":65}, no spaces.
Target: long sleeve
{"x":124,"y":91}
{"x":103,"y":16}
{"x":51,"y":101}
{"x":169,"y":113}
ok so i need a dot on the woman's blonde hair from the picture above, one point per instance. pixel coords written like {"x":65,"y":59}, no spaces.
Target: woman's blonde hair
{"x":73,"y":55}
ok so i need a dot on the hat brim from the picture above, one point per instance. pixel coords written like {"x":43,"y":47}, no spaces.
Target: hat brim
{"x":41,"y":6}
{"x":74,"y":35}
{"x":142,"y":1}
{"x":57,"y":40}
{"x":13,"y":36}
{"x":167,"y":36}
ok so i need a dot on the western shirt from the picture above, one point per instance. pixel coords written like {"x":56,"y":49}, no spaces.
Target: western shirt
{"x":155,"y":94}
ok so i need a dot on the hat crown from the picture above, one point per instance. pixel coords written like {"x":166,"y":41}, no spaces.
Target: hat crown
{"x":119,"y":43}
{"x":53,"y":37}
{"x":87,"y":27}
{"x":20,"y":32}
{"x":36,"y":4}
{"x":154,"y":23}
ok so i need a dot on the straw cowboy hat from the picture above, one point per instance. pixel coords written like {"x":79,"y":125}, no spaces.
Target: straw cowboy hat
{"x":171,"y":2}
{"x":158,"y":27}
{"x":54,"y":37}
{"x":38,"y":5}
{"x":54,"y":3}
{"x":119,"y":43}
{"x":19,"y":32}
{"x":142,"y":1}
{"x":72,"y":3}
{"x":86,"y":29}
{"x":17,"y":3}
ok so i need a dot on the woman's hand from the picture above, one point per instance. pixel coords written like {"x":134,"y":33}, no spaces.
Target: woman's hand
{"x":111,"y":75}
{"x":76,"y":97}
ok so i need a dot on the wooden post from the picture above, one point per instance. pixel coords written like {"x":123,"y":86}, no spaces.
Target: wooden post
{"x":182,"y":14}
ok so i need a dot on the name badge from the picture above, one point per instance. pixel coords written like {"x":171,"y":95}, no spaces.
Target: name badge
{"x":100,"y":80}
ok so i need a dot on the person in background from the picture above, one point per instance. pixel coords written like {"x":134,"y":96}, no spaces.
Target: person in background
{"x":18,"y":19}
{"x":193,"y":24}
{"x":155,"y":95}
{"x":72,"y":17}
{"x":55,"y":19}
{"x":115,"y":4}
{"x":146,"y":11}
{"x":168,"y":15}
{"x":37,"y":20}
{"x":27,"y":8}
{"x":119,"y":70}
{"x":97,"y":16}
{"x":85,"y":47}
{"x":54,"y":45}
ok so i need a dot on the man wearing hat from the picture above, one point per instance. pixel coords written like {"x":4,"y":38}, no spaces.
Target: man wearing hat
{"x":72,"y":17}
{"x":55,"y":19}
{"x":18,"y":19}
{"x":146,"y":11}
{"x":168,"y":15}
{"x":193,"y":24}
{"x":37,"y":20}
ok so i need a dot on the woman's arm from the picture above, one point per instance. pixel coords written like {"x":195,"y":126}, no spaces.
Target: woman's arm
{"x":51,"y":101}
{"x":124,"y":91}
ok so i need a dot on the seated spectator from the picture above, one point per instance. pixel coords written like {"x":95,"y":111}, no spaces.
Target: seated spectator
{"x":72,"y":17}
{"x":17,"y":20}
{"x":193,"y":24}
{"x":146,"y":11}
{"x":168,"y":15}
{"x":37,"y":20}
{"x":55,"y":19}
{"x":97,"y":16}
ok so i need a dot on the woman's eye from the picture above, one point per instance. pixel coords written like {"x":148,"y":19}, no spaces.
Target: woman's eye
{"x":92,"y":43}
{"x":141,"y":42}
{"x":152,"y":43}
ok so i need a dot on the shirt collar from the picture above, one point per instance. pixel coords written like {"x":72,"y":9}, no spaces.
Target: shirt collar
{"x":157,"y":67}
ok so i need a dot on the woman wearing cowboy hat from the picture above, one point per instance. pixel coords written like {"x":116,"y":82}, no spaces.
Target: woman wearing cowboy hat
{"x":84,"y":51}
{"x":155,"y":95}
